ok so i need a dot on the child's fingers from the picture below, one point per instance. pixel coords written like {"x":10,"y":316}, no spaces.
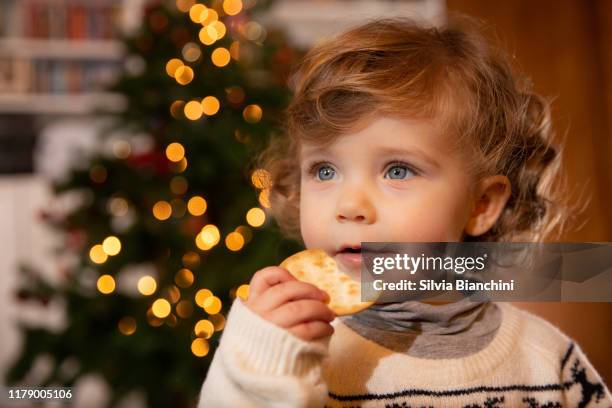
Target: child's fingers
{"x":267,"y":277}
{"x":282,"y":293}
{"x":300,"y":311}
{"x":312,"y":330}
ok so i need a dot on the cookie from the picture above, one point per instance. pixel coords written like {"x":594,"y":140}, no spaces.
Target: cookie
{"x":316,"y":267}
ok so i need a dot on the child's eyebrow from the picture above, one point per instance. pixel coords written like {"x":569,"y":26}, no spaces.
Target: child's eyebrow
{"x":415,"y":152}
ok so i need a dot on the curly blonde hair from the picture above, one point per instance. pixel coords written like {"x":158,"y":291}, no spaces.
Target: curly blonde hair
{"x":402,"y":68}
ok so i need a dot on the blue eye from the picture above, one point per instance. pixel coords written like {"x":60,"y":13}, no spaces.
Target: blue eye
{"x":399,"y":172}
{"x":325,"y":173}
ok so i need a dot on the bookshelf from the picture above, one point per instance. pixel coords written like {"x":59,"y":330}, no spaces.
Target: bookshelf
{"x":57,"y":56}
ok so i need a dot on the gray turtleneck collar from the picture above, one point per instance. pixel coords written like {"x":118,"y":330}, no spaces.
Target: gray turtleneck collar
{"x":423,"y":330}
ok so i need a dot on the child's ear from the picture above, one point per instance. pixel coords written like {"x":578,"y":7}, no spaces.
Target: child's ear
{"x":491,"y":196}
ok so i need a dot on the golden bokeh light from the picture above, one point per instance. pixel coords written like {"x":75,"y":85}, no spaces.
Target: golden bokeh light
{"x":161,"y":308}
{"x":252,"y":113}
{"x":210,"y":235}
{"x":220,"y":57}
{"x":235,"y":50}
{"x":256,"y":217}
{"x":201,"y":295}
{"x":172,"y":294}
{"x":260,"y":178}
{"x":127,"y":325}
{"x":212,"y":305}
{"x":207,"y":35}
{"x":122,"y":149}
{"x":210,"y":17}
{"x":243,"y":291}
{"x":97,"y":254}
{"x":172,"y":66}
{"x":200,"y":347}
{"x":147,"y":285}
{"x":196,"y":205}
{"x":204,"y":328}
{"x":219,"y":28}
{"x":210,"y":105}
{"x":184,"y":278}
{"x":111,"y":245}
{"x":246,"y":233}
{"x":171,"y":320}
{"x":184,"y":5}
{"x":175,"y":152}
{"x":198,"y":12}
{"x":193,"y":110}
{"x":191,"y":259}
{"x":232,"y":7}
{"x":201,"y":244}
{"x":264,"y":198}
{"x":184,"y":309}
{"x":183,"y":75}
{"x":176,"y":109}
{"x":180,"y":166}
{"x":162,"y":210}
{"x":234,"y":241}
{"x":106,"y":284}
{"x":218,"y":320}
{"x":153,"y":320}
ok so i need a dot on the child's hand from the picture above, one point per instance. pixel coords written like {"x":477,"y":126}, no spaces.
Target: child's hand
{"x":300,"y":307}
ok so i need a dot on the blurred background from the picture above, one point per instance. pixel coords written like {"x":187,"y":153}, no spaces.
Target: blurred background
{"x":130,"y":215}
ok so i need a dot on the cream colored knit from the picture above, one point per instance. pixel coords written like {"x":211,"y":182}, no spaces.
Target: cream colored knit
{"x":529,"y":363}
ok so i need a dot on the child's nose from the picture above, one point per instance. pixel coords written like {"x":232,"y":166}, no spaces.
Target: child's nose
{"x":354,"y":205}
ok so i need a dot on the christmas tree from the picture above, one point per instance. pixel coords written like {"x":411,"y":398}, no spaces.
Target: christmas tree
{"x":172,"y":220}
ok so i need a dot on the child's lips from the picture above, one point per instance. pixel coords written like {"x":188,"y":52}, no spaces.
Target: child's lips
{"x":349,"y":259}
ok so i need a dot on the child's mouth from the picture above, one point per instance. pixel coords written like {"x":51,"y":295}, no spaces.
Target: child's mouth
{"x":350,"y":256}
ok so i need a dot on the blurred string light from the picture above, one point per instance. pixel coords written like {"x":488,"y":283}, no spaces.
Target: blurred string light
{"x":184,"y":5}
{"x":232,"y":7}
{"x":183,"y":75}
{"x":184,"y":278}
{"x":127,"y":325}
{"x":235,"y":50}
{"x":234,"y":241}
{"x":117,"y":206}
{"x":147,"y":285}
{"x":153,"y":320}
{"x":175,"y":152}
{"x":264,"y":198}
{"x":180,"y":166}
{"x":98,"y":173}
{"x":176,"y":109}
{"x":191,"y":52}
{"x":243,"y":291}
{"x":184,"y":309}
{"x":204,"y":328}
{"x":191,"y":259}
{"x":172,"y":65}
{"x":122,"y":149}
{"x":260,"y":178}
{"x":200,"y":347}
{"x":196,"y":205}
{"x":218,"y":321}
{"x":106,"y":284}
{"x":193,"y":110}
{"x":246,"y":232}
{"x":212,"y":305}
{"x":161,"y":308}
{"x":162,"y":210}
{"x":172,"y":294}
{"x":111,"y":245}
{"x":220,"y":57}
{"x":252,"y":113}
{"x":210,"y":105}
{"x":208,"y":237}
{"x":201,"y":295}
{"x":255,"y":217}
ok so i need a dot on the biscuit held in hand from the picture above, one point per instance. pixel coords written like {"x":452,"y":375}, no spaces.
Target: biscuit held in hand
{"x":315,"y":266}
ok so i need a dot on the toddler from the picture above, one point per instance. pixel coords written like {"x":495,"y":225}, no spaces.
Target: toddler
{"x":400,"y":132}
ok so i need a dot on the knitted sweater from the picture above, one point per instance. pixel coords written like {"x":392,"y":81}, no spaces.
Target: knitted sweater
{"x":529,"y":363}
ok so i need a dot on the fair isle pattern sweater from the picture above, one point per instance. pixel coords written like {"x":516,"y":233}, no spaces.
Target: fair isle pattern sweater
{"x":529,"y":363}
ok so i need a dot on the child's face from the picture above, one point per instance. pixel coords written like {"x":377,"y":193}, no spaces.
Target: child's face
{"x":395,"y":180}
